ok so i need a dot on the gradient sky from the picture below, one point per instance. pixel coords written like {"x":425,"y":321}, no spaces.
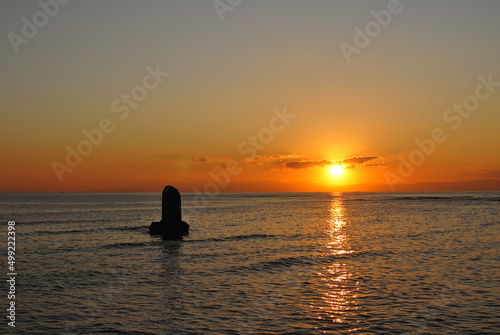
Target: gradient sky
{"x":227,"y":79}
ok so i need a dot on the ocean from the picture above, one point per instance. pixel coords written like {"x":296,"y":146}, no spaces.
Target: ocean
{"x":266,"y":263}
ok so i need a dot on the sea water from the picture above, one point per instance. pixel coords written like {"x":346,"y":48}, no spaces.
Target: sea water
{"x":284,"y":263}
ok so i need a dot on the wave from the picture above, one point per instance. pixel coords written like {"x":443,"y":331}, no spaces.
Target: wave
{"x":458,"y":198}
{"x":235,"y":238}
{"x":126,"y":228}
{"x":425,"y":198}
{"x":489,"y":224}
{"x":88,"y":230}
{"x":251,"y":236}
{"x":289,"y":261}
{"x":465,"y":197}
{"x":123,"y":245}
{"x":275,"y":195}
{"x":57,"y":222}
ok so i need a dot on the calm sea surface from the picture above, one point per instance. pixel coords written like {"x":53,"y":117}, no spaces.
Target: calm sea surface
{"x":303,"y":263}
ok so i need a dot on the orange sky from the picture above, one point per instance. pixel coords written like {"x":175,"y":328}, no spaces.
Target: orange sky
{"x":264,"y":100}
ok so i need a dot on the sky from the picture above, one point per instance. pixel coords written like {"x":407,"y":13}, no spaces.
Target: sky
{"x":249,"y":95}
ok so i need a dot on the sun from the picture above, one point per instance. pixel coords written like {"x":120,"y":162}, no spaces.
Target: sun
{"x":336,"y":170}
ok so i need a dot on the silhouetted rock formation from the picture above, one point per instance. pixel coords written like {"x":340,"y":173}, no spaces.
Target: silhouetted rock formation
{"x":171,"y":224}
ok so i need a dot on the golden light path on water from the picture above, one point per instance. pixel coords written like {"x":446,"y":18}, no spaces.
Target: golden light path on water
{"x":338,"y":298}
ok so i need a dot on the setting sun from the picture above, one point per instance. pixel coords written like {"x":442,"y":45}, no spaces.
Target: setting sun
{"x":336,"y":170}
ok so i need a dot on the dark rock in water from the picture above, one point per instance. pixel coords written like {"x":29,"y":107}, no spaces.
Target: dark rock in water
{"x":169,"y":230}
{"x":171,"y":224}
{"x":171,"y":205}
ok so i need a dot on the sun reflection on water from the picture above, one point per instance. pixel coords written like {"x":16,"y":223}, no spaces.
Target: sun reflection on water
{"x":338,"y":297}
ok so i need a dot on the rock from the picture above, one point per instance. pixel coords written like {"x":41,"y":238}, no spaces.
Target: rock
{"x":171,"y":224}
{"x":170,"y":230}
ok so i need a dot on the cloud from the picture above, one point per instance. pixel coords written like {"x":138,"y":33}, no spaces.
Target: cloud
{"x":374,"y":164}
{"x":201,"y":160}
{"x":484,"y":172}
{"x":306,"y":164}
{"x":272,"y":161}
{"x":492,"y":174}
{"x":271,"y":158}
{"x":356,"y":160}
{"x":350,"y":163}
{"x":210,"y":160}
{"x":292,"y":161}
